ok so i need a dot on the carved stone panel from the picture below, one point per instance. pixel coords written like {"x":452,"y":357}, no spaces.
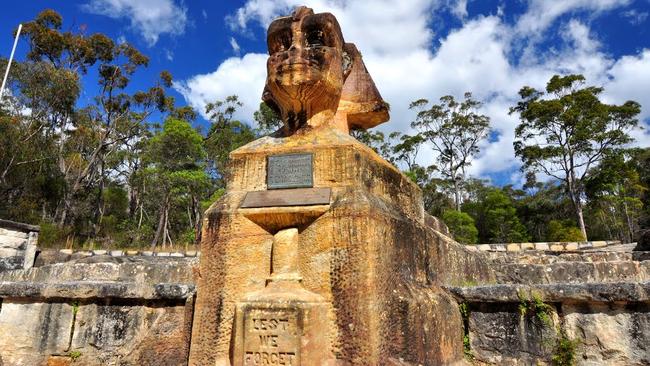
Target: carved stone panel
{"x":272,"y":336}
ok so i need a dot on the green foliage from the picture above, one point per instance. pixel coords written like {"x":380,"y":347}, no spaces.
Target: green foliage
{"x":464,"y":310}
{"x":75,"y":307}
{"x":461,"y":226}
{"x":454,"y":130}
{"x":464,"y":313}
{"x":616,"y":191}
{"x":495,"y":215}
{"x":467,"y":350}
{"x":225,"y":134}
{"x":74,"y":355}
{"x":50,"y":235}
{"x":177,"y":147}
{"x":564,"y":353}
{"x":268,"y":121}
{"x":563,"y":231}
{"x":566,"y":130}
{"x":535,"y":306}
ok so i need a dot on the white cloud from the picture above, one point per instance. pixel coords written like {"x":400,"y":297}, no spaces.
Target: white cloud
{"x":150,"y":18}
{"x":408,"y":62}
{"x":235,"y":46}
{"x":242,"y":76}
{"x":635,"y":17}
{"x":459,"y":8}
{"x":542,"y":13}
{"x":204,"y":14}
{"x":169,"y":55}
{"x":629,"y":80}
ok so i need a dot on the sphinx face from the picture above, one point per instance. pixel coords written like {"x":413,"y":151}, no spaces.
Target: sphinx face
{"x":306,"y":64}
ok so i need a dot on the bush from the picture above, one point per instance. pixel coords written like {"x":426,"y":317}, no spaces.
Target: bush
{"x":50,"y":236}
{"x":563,"y":231}
{"x":565,"y":351}
{"x":461,"y":226}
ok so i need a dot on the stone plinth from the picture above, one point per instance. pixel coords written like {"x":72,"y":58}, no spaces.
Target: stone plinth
{"x":370,"y":255}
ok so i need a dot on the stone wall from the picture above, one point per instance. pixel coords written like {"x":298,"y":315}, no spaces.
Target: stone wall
{"x":517,"y":308}
{"x":545,"y":246}
{"x":17,"y":245}
{"x":593,"y":324}
{"x":590,"y":308}
{"x":98,"y":310}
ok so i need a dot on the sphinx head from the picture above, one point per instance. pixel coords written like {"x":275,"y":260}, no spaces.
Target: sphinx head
{"x":308,"y":65}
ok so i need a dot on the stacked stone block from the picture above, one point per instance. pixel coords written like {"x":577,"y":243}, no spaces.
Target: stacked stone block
{"x":17,"y":245}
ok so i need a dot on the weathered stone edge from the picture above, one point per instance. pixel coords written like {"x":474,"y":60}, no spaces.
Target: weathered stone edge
{"x":129,"y":253}
{"x":96,"y":289}
{"x":556,"y":292}
{"x":544,"y":246}
{"x":8,"y":224}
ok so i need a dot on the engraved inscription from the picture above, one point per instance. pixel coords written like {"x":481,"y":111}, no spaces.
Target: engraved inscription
{"x":289,"y":171}
{"x":271,"y":337}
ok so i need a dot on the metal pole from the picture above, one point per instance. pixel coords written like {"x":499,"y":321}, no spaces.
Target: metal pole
{"x":11,"y":58}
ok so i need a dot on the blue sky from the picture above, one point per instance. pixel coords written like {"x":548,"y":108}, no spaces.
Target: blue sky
{"x":414,"y":49}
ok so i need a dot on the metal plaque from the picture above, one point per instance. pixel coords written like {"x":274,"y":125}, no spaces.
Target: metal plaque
{"x":289,"y":171}
{"x":287,"y":197}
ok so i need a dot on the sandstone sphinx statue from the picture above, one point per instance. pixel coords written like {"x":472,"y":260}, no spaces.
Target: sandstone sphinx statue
{"x":320,"y":252}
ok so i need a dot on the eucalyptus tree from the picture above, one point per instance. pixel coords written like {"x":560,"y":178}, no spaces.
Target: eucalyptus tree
{"x":225,"y":135}
{"x":454,"y":130}
{"x":175,"y":168}
{"x":565,"y":130}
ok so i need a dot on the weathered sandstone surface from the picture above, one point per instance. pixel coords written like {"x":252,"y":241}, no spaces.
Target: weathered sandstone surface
{"x":97,"y":311}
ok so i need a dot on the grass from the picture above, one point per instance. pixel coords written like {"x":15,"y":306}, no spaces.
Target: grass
{"x":464,"y":313}
{"x":74,"y":355}
{"x":536,"y":307}
{"x":564,"y":353}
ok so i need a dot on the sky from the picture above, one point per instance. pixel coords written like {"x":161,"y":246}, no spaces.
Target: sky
{"x":412,"y":48}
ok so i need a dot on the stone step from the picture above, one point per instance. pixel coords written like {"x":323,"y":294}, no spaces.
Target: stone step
{"x":109,"y":269}
{"x":573,"y":272}
{"x":96,"y":289}
{"x":623,"y":291}
{"x":547,"y":258}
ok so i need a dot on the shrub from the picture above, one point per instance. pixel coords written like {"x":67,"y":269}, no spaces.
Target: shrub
{"x":461,"y":226}
{"x":563,"y":231}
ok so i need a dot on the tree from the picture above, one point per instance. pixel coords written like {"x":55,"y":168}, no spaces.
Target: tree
{"x":461,"y":226}
{"x":563,"y":231}
{"x":48,"y":83}
{"x":267,"y":120}
{"x":225,"y":135}
{"x":501,"y":219}
{"x":567,"y":130}
{"x":175,"y":168}
{"x":435,"y":201}
{"x":454,"y":130}
{"x":614,"y":190}
{"x":377,"y":141}
{"x":538,"y":204}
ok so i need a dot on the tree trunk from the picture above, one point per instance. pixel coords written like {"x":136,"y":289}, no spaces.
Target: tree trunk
{"x":66,"y":208}
{"x":574,"y":194}
{"x":99,"y":202}
{"x":457,"y":194}
{"x":162,"y":221}
{"x":581,"y":220}
{"x":628,"y":221}
{"x":453,"y":173}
